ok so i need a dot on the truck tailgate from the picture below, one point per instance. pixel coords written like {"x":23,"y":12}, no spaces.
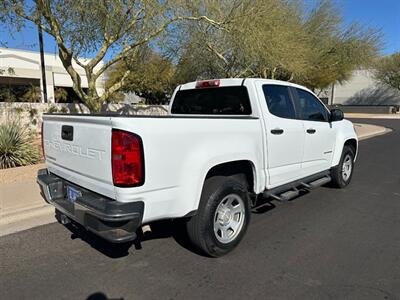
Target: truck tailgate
{"x":78,"y":149}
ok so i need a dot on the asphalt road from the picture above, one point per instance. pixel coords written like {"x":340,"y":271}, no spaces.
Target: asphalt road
{"x":328,"y":244}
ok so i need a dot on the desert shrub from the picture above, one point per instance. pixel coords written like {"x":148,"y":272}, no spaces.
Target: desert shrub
{"x":33,"y":112}
{"x":17,"y":145}
{"x":52,"y":109}
{"x":18,"y":110}
{"x":64,"y":110}
{"x":34,"y":115}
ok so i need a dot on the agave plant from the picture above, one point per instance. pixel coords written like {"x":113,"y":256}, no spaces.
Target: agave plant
{"x":17,"y":146}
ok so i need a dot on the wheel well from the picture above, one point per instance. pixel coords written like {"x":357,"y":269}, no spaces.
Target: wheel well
{"x":352,"y":143}
{"x":242,"y":170}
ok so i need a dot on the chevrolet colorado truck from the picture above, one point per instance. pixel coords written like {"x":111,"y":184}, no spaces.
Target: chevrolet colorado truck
{"x":224,"y":144}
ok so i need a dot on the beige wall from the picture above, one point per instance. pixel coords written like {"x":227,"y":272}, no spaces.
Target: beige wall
{"x":363,"y":89}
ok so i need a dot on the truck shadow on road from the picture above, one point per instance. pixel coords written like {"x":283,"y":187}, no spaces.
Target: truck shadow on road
{"x":101,"y":296}
{"x":159,"y":230}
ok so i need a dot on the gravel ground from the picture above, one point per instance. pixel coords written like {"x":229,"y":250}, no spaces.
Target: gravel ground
{"x":19,"y":174}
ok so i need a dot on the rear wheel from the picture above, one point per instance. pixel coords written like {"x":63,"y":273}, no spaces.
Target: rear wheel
{"x":222,"y":217}
{"x":342,"y":173}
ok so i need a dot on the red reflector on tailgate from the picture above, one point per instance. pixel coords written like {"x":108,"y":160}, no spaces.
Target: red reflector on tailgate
{"x":127,"y":159}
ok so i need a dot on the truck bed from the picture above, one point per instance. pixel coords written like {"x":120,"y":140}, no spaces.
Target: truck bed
{"x":178,"y":151}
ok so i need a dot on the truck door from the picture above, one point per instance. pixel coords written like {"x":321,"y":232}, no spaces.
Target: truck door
{"x":284,"y":134}
{"x":319,"y":134}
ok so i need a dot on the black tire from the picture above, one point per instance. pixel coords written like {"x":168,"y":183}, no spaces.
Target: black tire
{"x":200,"y":228}
{"x":339,"y":180}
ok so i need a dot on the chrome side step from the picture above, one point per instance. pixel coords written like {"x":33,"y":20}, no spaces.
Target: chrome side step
{"x":286,"y":193}
{"x":286,"y":196}
{"x":320,"y":182}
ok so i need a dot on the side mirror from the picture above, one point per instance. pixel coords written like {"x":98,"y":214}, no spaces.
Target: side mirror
{"x":336,"y":115}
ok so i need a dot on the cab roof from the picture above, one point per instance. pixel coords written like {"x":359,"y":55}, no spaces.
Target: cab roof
{"x":224,"y":82}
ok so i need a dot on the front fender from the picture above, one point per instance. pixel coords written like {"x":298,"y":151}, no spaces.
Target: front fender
{"x":345,"y":131}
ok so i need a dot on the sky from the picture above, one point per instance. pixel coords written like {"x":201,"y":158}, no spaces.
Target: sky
{"x":382,"y":14}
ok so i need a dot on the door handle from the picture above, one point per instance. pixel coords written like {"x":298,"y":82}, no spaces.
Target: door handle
{"x":277,"y":131}
{"x":311,"y":131}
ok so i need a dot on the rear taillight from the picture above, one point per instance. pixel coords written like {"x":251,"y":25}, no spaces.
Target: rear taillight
{"x":127,"y":159}
{"x":42,"y":138}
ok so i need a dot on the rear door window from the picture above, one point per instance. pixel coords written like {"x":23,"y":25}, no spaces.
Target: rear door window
{"x":279,"y":101}
{"x":232,"y":100}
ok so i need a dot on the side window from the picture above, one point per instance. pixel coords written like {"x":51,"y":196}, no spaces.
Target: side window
{"x":311,"y":108}
{"x":278,"y":101}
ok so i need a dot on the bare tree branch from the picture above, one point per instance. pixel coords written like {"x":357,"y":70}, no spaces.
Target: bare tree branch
{"x":126,"y":51}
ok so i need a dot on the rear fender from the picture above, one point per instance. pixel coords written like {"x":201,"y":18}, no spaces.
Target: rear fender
{"x":194,"y":186}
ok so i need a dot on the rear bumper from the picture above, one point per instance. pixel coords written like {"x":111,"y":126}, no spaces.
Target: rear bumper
{"x":112,"y":220}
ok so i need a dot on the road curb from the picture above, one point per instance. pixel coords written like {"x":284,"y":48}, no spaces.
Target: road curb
{"x":372,"y":116}
{"x":367,"y":131}
{"x":27,"y":218}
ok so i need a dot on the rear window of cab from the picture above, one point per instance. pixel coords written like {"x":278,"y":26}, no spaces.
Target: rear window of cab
{"x":231,"y":100}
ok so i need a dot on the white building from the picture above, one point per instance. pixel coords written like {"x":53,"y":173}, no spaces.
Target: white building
{"x":362,"y":89}
{"x":22,"y":67}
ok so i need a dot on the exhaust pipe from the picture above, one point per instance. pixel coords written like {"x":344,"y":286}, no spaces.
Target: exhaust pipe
{"x":64,"y":219}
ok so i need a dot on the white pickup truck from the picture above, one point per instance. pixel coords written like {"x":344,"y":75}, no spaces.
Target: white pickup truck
{"x":223,"y":143}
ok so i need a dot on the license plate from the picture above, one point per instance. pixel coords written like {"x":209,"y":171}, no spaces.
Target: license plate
{"x":73,"y":193}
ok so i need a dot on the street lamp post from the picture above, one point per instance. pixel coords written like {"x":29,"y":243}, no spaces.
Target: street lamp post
{"x":42,"y":64}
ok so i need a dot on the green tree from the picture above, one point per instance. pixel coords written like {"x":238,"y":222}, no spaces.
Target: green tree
{"x":151,"y":76}
{"x":31,"y":94}
{"x":276,"y":39}
{"x":239,"y":49}
{"x":387,"y":70}
{"x":335,"y":50}
{"x":60,"y":95}
{"x":7,"y":94}
{"x":108,"y":31}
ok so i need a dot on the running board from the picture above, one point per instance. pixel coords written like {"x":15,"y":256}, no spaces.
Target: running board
{"x":292,"y":190}
{"x":286,"y":196}
{"x":320,"y":182}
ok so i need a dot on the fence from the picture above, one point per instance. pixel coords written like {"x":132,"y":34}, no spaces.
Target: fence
{"x":30,"y":114}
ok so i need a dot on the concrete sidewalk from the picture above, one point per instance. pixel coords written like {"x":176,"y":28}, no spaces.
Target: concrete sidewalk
{"x":371,"y":116}
{"x":22,"y":207}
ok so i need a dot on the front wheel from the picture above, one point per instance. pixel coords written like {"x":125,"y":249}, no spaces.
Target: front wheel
{"x":342,"y":173}
{"x":222,"y":217}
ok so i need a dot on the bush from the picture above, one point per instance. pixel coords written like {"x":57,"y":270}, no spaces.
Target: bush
{"x":64,"y":110}
{"x":17,"y":146}
{"x":18,"y":110}
{"x":34,"y":116}
{"x":52,"y":109}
